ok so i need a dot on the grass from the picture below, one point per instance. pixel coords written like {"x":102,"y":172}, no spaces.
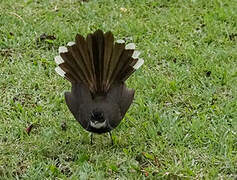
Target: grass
{"x":183,"y":122}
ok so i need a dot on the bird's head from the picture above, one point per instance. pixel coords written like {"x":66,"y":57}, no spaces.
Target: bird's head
{"x":97,"y":119}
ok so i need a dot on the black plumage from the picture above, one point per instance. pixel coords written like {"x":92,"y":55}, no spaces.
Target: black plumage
{"x":97,"y":68}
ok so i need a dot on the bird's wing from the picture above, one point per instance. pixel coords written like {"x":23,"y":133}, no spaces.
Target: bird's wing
{"x":121,"y":95}
{"x":78,"y":100}
{"x":127,"y":97}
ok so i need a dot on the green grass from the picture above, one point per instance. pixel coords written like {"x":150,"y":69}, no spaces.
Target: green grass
{"x":183,"y":122}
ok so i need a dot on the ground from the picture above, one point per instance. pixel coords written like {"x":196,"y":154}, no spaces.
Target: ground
{"x":183,"y":122}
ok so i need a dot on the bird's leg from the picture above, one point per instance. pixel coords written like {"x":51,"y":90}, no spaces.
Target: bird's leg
{"x":91,"y":138}
{"x":110,"y":134}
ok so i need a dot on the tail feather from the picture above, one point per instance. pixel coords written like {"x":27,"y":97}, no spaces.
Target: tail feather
{"x":98,"y":54}
{"x":78,"y":59}
{"x":97,"y":61}
{"x":125,"y":60}
{"x":127,"y":69}
{"x":89,"y":41}
{"x":65,"y":58}
{"x":71,"y":60}
{"x":108,"y":50}
{"x":117,"y":52}
{"x":132,"y":69}
{"x":64,"y":68}
{"x":81,"y":45}
{"x":127,"y":53}
{"x":62,"y":73}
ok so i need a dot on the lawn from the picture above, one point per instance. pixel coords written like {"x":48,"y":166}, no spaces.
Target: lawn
{"x":183,"y":122}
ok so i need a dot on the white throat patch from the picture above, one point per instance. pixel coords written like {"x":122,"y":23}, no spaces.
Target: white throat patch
{"x":98,"y":125}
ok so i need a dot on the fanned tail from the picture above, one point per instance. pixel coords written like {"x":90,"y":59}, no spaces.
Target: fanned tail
{"x":97,"y":61}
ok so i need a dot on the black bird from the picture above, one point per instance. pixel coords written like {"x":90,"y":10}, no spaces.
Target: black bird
{"x":97,"y":68}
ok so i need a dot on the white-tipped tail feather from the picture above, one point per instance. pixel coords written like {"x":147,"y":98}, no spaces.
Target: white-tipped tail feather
{"x":136,"y":54}
{"x":130,"y":46}
{"x":120,"y":41}
{"x":58,"y":60}
{"x":62,"y":49}
{"x":71,"y":43}
{"x":60,"y":71}
{"x":138,"y":64}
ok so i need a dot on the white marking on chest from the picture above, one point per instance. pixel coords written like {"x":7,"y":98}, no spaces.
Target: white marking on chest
{"x":98,"y":125}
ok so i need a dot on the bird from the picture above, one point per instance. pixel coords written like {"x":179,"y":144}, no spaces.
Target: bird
{"x":97,"y":67}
